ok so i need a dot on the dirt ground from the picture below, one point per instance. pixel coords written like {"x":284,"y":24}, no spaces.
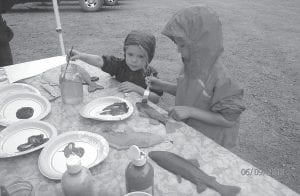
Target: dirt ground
{"x":262,"y":52}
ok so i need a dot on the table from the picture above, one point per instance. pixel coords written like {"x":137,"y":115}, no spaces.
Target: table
{"x":109,"y":175}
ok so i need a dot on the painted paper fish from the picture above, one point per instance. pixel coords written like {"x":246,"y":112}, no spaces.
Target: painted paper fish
{"x":154,"y":114}
{"x":71,"y":149}
{"x":184,"y":168}
{"x":115,"y":109}
{"x":32,"y":142}
{"x":123,"y":140}
{"x":92,"y":86}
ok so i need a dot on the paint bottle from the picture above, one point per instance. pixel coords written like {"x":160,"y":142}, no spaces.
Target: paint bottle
{"x":77,"y":180}
{"x":70,"y":82}
{"x":139,"y":174}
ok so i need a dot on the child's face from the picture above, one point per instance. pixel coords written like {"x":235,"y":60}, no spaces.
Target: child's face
{"x":135,"y":57}
{"x":182,"y":49}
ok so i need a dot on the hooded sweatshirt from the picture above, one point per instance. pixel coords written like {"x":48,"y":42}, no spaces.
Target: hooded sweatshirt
{"x":204,"y":82}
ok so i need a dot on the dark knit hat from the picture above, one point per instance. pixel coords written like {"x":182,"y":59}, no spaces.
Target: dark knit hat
{"x":145,"y":40}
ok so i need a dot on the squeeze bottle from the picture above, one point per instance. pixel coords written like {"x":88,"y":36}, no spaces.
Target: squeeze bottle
{"x":77,"y":180}
{"x":139,"y":174}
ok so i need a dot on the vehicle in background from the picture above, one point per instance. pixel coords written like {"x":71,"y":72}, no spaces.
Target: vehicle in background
{"x":86,"y":5}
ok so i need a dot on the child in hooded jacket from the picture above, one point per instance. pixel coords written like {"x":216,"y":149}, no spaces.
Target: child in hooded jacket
{"x":131,"y":71}
{"x":207,"y":98}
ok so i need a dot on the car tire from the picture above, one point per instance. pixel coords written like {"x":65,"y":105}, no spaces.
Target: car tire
{"x":90,"y":5}
{"x":111,"y":2}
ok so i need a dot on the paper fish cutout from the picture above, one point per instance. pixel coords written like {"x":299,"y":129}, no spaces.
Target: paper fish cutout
{"x":32,"y":141}
{"x":182,"y":167}
{"x":154,"y":114}
{"x":93,"y":86}
{"x":71,"y":149}
{"x":123,"y":140}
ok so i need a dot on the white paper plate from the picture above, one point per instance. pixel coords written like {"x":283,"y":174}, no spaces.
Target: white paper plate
{"x":15,"y":88}
{"x":96,"y":106}
{"x":18,"y":133}
{"x":138,"y":193}
{"x":52,"y":162}
{"x":12,"y":103}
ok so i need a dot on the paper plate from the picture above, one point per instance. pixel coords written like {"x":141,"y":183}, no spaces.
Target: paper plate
{"x":18,"y":133}
{"x":52,"y":161}
{"x":12,"y":103}
{"x":138,"y":193}
{"x":96,"y":106}
{"x":15,"y":88}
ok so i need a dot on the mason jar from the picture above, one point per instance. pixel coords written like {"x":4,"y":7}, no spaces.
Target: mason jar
{"x":70,"y":83}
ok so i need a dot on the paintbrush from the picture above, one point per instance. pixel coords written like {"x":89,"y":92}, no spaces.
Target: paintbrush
{"x":146,"y":92}
{"x":68,"y":62}
{"x":146,"y":95}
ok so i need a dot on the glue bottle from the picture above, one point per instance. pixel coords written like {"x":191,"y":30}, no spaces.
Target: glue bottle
{"x":77,"y":180}
{"x":139,"y":174}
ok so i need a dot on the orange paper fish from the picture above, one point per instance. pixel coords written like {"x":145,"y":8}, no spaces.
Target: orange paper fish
{"x":154,"y":114}
{"x":123,"y":140}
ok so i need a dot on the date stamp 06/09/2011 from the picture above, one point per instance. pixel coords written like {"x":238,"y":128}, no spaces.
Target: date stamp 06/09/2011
{"x":259,"y":172}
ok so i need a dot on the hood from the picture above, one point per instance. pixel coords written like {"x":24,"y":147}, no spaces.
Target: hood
{"x":145,"y":40}
{"x":201,"y":30}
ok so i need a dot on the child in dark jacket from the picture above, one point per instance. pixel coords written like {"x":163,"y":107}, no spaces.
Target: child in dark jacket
{"x":131,"y":71}
{"x":6,"y":36}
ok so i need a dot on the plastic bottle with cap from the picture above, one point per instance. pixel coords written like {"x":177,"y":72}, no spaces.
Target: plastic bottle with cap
{"x":139,"y":174}
{"x":77,"y":180}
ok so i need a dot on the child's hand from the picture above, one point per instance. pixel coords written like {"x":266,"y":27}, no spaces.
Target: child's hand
{"x":180,"y":112}
{"x":74,"y":55}
{"x":154,"y":83}
{"x":127,"y":87}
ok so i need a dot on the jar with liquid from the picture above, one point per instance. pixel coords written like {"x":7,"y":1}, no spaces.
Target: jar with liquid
{"x":70,"y":83}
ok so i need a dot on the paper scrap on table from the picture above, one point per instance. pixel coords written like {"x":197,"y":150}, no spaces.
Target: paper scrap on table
{"x":32,"y":68}
{"x":53,"y":92}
